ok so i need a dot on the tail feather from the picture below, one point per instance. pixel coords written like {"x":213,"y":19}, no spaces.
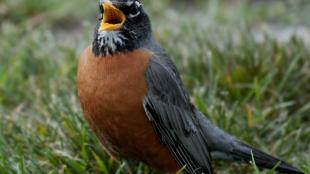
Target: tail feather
{"x":262,"y":160}
{"x":225,"y":147}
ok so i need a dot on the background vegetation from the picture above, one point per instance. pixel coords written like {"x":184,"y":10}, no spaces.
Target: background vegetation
{"x":245,"y":63}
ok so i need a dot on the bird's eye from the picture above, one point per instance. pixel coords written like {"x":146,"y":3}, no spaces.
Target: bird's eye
{"x":134,"y":11}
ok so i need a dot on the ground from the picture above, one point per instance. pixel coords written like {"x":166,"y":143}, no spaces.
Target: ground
{"x":245,"y":63}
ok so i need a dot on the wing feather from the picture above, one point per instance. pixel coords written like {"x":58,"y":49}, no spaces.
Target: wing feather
{"x":169,"y":109}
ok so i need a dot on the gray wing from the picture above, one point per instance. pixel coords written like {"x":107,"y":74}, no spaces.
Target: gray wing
{"x":169,"y":109}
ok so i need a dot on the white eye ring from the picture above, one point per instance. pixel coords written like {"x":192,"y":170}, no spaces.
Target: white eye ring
{"x":138,"y":4}
{"x":134,"y":15}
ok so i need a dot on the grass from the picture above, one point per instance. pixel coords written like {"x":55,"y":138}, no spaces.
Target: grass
{"x":258,"y":91}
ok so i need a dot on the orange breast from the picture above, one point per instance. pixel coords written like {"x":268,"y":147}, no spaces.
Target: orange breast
{"x":111,"y":91}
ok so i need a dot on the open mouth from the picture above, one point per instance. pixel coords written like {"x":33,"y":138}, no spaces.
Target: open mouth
{"x":113,"y":18}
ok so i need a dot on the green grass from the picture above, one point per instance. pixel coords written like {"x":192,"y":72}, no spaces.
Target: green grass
{"x":258,"y":91}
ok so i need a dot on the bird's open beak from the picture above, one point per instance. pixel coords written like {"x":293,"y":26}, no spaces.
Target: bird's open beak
{"x":113,"y":18}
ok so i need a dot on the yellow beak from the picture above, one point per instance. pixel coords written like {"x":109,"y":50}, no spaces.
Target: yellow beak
{"x":113,"y":18}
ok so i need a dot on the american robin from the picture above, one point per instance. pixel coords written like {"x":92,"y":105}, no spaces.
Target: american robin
{"x":134,"y":100}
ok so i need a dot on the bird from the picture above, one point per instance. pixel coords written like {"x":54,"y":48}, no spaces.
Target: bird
{"x":134,"y":100}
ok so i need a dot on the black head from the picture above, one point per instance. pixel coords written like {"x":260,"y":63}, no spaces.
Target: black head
{"x":123,"y":26}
